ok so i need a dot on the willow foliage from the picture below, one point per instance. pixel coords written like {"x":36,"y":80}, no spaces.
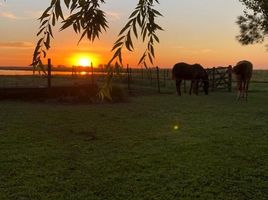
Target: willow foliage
{"x":89,"y":20}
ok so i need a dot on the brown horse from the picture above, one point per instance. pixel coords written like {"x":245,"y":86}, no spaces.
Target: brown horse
{"x":243,"y":72}
{"x":195,"y":73}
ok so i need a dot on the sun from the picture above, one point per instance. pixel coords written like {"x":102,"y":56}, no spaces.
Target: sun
{"x":84,"y":59}
{"x":84,"y":62}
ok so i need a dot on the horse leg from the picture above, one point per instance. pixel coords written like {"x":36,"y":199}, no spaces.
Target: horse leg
{"x":239,"y":88}
{"x":246,"y":89}
{"x":178,"y":86}
{"x":243,"y":89}
{"x":191,"y":87}
{"x":196,"y":87}
{"x":238,"y":95}
{"x":184,"y":85}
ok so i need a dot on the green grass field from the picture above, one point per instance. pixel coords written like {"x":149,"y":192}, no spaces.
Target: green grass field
{"x":153,"y":147}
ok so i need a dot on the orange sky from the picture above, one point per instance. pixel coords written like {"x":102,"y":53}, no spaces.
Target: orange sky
{"x":200,"y":31}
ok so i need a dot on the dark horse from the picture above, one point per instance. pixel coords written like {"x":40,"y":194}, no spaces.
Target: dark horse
{"x":243,"y":72}
{"x":195,"y":73}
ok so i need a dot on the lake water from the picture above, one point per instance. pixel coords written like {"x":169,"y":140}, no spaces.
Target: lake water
{"x":29,"y":72}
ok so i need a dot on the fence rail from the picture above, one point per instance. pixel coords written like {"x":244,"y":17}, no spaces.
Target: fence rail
{"x":159,"y":78}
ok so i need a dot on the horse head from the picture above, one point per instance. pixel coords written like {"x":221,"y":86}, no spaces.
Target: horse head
{"x":203,"y":76}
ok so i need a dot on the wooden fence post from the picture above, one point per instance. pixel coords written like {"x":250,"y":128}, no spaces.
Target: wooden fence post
{"x":92,"y":74}
{"x":49,"y":73}
{"x":128,"y":78}
{"x":164,"y":78}
{"x":158,"y":81}
{"x":151,"y":77}
{"x":130,"y":73}
{"x":230,"y":78}
{"x":213,"y":78}
{"x":167,"y":73}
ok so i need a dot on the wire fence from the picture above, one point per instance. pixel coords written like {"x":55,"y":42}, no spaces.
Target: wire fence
{"x":159,"y":79}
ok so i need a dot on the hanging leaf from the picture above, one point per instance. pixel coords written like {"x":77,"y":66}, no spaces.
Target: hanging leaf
{"x":40,"y":31}
{"x":58,"y":10}
{"x":67,"y":3}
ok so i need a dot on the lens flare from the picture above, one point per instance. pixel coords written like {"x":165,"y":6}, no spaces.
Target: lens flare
{"x":176,"y":127}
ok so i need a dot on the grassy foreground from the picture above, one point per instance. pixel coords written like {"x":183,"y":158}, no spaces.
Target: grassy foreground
{"x":154,"y":147}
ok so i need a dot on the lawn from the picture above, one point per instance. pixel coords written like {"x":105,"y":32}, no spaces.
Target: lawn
{"x":153,"y":147}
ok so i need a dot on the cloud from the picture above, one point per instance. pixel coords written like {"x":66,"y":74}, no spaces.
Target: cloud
{"x":206,"y":50}
{"x":199,"y":51}
{"x":20,"y":44}
{"x":32,"y":14}
{"x":8,"y":15}
{"x":24,"y":16}
{"x":114,"y":16}
{"x":178,"y":47}
{"x":193,"y":50}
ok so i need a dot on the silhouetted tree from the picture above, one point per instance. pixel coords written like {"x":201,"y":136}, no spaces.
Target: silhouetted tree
{"x":254,"y":24}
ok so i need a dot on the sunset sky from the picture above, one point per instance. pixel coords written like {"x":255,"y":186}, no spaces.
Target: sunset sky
{"x":196,"y":31}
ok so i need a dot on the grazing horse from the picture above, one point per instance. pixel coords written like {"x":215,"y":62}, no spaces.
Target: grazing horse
{"x":243,"y":72}
{"x":195,"y":73}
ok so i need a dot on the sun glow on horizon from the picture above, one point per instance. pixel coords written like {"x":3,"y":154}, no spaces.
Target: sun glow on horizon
{"x":83,"y":60}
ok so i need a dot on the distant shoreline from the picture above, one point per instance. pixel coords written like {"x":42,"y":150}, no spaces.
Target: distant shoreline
{"x":16,"y":68}
{"x":30,"y":68}
{"x":67,"y":69}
